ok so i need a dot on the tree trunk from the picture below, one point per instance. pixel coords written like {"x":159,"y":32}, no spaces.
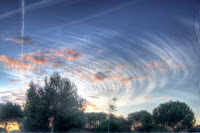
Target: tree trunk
{"x":53,"y":125}
{"x":5,"y":126}
{"x":108,"y":123}
{"x":134,"y":126}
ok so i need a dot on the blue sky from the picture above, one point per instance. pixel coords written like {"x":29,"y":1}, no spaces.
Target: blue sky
{"x":142,"y":51}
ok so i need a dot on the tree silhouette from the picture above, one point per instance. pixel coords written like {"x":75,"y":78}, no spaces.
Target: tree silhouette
{"x":10,"y":113}
{"x":56,"y":103}
{"x":174,"y":115}
{"x":142,"y":119}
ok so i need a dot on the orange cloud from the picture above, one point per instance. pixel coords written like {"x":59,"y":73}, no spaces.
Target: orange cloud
{"x":36,"y":59}
{"x":147,"y":97}
{"x":165,"y":97}
{"x":92,"y":108}
{"x":78,"y":71}
{"x":87,"y":76}
{"x":127,"y":80}
{"x":15,"y":63}
{"x":99,"y":76}
{"x":49,"y":57}
{"x":70,"y":54}
{"x":121,"y":66}
{"x":162,"y":69}
{"x":155,"y":64}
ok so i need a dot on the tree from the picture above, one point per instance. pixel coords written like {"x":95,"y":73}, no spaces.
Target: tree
{"x":111,"y":109}
{"x":93,"y":119}
{"x":174,"y":115}
{"x":10,"y":113}
{"x":35,"y":110}
{"x":117,"y":124}
{"x":141,"y":121}
{"x":57,"y":104}
{"x":65,"y":106}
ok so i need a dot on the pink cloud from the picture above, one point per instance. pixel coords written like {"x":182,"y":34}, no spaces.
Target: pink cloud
{"x":14,"y":80}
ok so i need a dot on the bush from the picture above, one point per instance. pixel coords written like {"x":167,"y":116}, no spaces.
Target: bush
{"x":115,"y":126}
{"x":2,"y":129}
{"x":194,"y":129}
{"x":159,"y":129}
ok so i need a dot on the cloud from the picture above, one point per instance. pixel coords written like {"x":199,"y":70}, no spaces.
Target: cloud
{"x":92,"y":108}
{"x":87,"y":76}
{"x":127,"y":80}
{"x":17,"y":97}
{"x":93,"y":97}
{"x":32,"y":61}
{"x":37,"y":59}
{"x":155,"y":64}
{"x":99,"y":76}
{"x":5,"y":92}
{"x":14,"y":80}
{"x":18,"y":39}
{"x":165,"y":97}
{"x":14,"y":63}
{"x":121,"y":66}
{"x":67,"y":54}
{"x":147,"y":97}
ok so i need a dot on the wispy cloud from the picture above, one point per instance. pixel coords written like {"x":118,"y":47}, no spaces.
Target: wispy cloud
{"x":14,"y":80}
{"x":18,"y":39}
{"x":39,"y":61}
{"x":13,"y":63}
{"x":147,"y":97}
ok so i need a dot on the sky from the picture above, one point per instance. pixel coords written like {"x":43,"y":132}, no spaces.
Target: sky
{"x":141,"y":51}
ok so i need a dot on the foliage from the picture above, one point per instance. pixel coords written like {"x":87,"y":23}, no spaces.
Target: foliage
{"x":2,"y":130}
{"x":93,"y":119}
{"x":177,"y":116}
{"x":159,"y":129}
{"x":35,"y":110}
{"x":142,"y":120}
{"x":10,"y":112}
{"x":117,"y":124}
{"x":57,"y":103}
{"x":194,"y":129}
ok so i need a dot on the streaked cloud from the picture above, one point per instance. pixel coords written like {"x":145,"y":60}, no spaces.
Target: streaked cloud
{"x":15,"y":80}
{"x":18,"y":39}
{"x":13,"y":63}
{"x":147,"y":97}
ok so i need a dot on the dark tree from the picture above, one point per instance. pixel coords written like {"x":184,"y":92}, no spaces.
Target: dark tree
{"x":36,"y":110}
{"x":117,"y":124}
{"x":93,"y":119}
{"x":57,"y":104}
{"x":141,"y":121}
{"x":174,"y":115}
{"x":10,"y":113}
